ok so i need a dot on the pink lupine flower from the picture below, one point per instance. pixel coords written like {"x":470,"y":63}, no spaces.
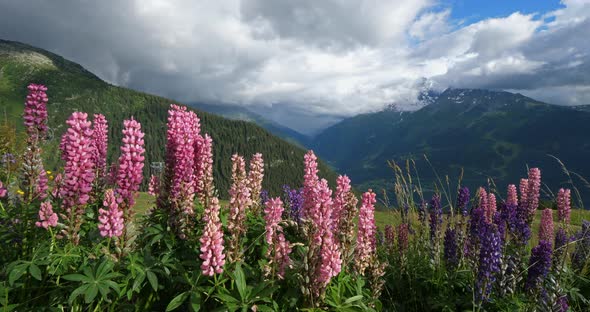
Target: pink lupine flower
{"x":278,"y":247}
{"x":130,"y":171}
{"x":282,"y":252}
{"x":512,"y":197}
{"x":154,"y":185}
{"x":255,"y":177}
{"x":491,"y":208}
{"x":272,"y":217}
{"x":533,"y":192}
{"x":331,"y":263}
{"x":78,"y":170}
{"x":179,"y":182}
{"x":366,"y":239}
{"x":212,"y":240}
{"x":310,"y":181}
{"x":523,"y":190}
{"x":564,"y":205}
{"x":483,"y":203}
{"x":239,"y":202}
{"x":111,"y":221}
{"x":340,"y":198}
{"x":42,"y":187}
{"x":204,"y":168}
{"x":35,"y":113}
{"x":47,"y":218}
{"x":3,"y":190}
{"x":100,"y":144}
{"x":546,"y":228}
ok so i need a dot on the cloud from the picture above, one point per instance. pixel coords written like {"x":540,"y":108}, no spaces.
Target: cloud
{"x":321,"y":59}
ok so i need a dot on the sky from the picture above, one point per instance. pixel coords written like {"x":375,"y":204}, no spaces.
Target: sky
{"x":309,"y":63}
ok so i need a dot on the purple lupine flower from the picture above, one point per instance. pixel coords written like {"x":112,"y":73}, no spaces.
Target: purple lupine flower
{"x":294,"y":199}
{"x":539,"y":265}
{"x":263,"y":197}
{"x":422,"y":211}
{"x":563,"y":304}
{"x":451,"y":248}
{"x":435,"y":217}
{"x":489,"y":261}
{"x":476,"y":222}
{"x":582,"y":250}
{"x":561,"y":240}
{"x":463,"y":201}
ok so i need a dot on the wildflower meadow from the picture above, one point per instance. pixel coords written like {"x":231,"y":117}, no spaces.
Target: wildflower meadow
{"x":75,"y":238}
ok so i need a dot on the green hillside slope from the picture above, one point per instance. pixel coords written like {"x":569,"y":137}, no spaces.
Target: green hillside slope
{"x":72,"y":88}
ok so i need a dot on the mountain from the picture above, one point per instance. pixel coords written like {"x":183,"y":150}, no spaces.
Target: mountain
{"x":235,"y":112}
{"x":487,"y":133}
{"x":73,"y":88}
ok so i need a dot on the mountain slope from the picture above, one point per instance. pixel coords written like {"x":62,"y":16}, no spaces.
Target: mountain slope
{"x":235,"y":112}
{"x":488,"y":133}
{"x":72,"y":88}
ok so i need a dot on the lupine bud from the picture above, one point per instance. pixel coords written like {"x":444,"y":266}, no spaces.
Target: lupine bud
{"x":523,"y":189}
{"x":278,"y":247}
{"x":100,"y":137}
{"x":546,"y":230}
{"x":564,"y":205}
{"x":491,"y":208}
{"x":365,"y":243}
{"x":47,"y":218}
{"x":154,"y":186}
{"x":130,"y":173}
{"x":212,"y":240}
{"x":255,"y":176}
{"x":310,"y":181}
{"x":463,"y":201}
{"x":239,"y":203}
{"x":512,"y":197}
{"x":204,"y":168}
{"x":340,"y":197}
{"x":111,"y":221}
{"x":533,"y":192}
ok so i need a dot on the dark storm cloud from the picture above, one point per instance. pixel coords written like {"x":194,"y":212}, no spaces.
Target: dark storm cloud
{"x":309,"y":62}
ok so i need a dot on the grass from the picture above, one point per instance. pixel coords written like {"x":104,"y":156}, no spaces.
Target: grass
{"x":144,"y":201}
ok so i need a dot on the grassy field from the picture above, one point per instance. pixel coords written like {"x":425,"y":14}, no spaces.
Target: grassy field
{"x":382,"y":218}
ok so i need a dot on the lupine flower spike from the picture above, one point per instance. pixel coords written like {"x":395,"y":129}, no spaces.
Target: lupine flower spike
{"x":212,"y":240}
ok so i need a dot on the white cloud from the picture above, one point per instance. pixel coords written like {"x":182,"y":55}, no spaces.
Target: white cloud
{"x":327,"y":59}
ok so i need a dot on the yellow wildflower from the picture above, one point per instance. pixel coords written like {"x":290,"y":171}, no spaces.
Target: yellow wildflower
{"x":20,"y":192}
